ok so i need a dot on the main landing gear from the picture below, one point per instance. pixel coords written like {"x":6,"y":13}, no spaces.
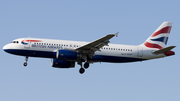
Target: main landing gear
{"x":82,"y":70}
{"x":86,"y":65}
{"x":25,"y":63}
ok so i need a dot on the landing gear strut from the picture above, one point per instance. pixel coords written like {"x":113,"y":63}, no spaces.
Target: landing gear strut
{"x":25,"y":63}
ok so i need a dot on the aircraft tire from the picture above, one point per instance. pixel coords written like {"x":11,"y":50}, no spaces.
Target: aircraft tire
{"x":81,"y":70}
{"x":25,"y":64}
{"x":86,"y":65}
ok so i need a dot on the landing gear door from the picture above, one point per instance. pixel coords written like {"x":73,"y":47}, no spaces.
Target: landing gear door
{"x":140,"y":52}
{"x":26,"y":43}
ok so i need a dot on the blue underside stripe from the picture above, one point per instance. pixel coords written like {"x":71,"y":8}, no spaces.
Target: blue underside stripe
{"x":96,"y":58}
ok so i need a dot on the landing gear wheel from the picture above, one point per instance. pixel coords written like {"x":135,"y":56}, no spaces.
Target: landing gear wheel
{"x":25,"y":63}
{"x":86,"y":65}
{"x":81,"y":70}
{"x":26,"y":59}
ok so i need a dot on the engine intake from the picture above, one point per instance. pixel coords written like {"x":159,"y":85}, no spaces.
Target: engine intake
{"x":62,"y":64}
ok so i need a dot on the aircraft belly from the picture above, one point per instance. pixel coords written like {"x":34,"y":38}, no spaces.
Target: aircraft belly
{"x":107,"y":56}
{"x":117,"y":59}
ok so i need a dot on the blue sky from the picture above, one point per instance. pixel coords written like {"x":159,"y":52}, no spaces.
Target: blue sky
{"x":153,"y":80}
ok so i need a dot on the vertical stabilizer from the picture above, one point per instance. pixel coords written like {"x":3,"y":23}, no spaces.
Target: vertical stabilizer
{"x":159,"y":38}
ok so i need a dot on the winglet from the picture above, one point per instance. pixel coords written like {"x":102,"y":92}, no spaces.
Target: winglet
{"x":116,"y":34}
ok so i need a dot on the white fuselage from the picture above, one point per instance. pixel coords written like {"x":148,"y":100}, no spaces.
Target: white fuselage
{"x":47,"y":48}
{"x":64,"y":54}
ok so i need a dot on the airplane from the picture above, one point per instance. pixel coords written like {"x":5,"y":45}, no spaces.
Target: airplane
{"x":64,"y":53}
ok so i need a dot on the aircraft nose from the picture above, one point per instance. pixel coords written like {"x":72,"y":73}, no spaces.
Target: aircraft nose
{"x":6,"y":47}
{"x":9,"y":49}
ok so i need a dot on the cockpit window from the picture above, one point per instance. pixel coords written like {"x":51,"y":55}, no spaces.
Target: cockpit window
{"x":15,"y":42}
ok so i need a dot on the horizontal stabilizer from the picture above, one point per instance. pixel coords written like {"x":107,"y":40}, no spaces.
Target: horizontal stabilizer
{"x":164,"y":50}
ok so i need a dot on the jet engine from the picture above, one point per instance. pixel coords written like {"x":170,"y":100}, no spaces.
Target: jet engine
{"x":62,"y":64}
{"x":67,"y":55}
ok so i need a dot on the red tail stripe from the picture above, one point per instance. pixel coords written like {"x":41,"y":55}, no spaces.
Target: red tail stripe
{"x":163,"y":30}
{"x":150,"y":45}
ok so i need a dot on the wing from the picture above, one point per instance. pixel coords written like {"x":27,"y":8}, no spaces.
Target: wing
{"x":90,"y":48}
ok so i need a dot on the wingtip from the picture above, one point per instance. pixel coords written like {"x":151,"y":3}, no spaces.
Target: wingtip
{"x":116,"y":34}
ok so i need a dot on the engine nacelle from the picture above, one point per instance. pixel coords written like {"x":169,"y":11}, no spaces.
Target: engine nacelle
{"x":62,"y":64}
{"x":67,"y":55}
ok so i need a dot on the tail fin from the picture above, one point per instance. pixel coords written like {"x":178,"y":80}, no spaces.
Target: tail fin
{"x":160,"y":37}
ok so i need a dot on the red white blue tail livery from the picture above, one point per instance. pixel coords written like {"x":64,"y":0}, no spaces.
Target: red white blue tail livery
{"x":64,"y":53}
{"x":160,"y":37}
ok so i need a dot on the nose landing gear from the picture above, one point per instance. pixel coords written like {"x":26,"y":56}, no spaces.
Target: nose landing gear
{"x":25,"y":63}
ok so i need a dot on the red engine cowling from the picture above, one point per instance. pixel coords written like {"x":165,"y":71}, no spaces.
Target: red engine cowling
{"x":62,"y":64}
